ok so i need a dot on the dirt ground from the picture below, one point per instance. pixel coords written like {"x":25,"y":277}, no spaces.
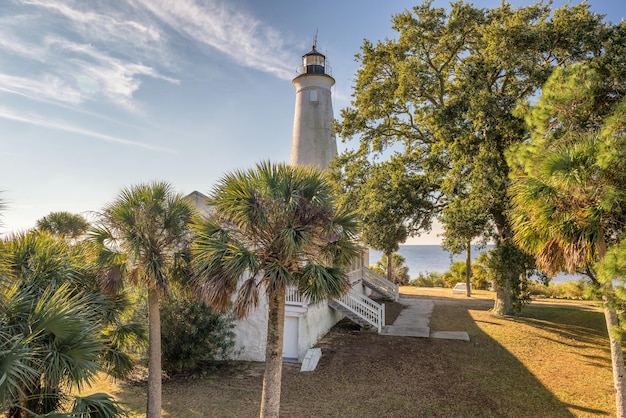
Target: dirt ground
{"x":510,"y":368}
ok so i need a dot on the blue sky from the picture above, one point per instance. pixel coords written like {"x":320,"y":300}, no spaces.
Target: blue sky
{"x":100,"y":95}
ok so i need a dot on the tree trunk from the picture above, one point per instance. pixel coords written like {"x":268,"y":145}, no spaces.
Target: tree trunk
{"x":270,"y":401}
{"x":154,"y":355}
{"x":389,"y":267}
{"x":468,"y":269}
{"x":503,"y":304}
{"x":617,"y":359}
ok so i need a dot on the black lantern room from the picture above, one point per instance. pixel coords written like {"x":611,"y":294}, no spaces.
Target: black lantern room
{"x":313,"y":62}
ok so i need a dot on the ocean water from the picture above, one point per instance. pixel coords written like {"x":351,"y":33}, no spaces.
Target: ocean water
{"x":432,"y":258}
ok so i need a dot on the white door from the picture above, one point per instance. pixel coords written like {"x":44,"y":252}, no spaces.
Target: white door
{"x":290,"y":340}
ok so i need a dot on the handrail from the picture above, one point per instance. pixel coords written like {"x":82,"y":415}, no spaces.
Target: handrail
{"x":382,"y":283}
{"x":364,"y":307}
{"x":293,"y":297}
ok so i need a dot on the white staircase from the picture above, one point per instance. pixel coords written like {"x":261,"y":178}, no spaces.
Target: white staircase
{"x":360,"y":309}
{"x":380,"y":285}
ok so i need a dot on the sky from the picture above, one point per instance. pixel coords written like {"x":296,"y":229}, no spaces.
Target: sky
{"x":96,"y":96}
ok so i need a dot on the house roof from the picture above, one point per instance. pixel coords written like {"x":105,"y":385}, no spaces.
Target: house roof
{"x":200,"y":201}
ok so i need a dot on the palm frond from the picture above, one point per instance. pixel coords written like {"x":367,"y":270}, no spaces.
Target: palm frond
{"x":268,"y":223}
{"x":97,"y":405}
{"x":19,"y":362}
{"x":317,"y":282}
{"x":247,"y":298}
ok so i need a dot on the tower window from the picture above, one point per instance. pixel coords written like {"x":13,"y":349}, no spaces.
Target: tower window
{"x":312,"y":95}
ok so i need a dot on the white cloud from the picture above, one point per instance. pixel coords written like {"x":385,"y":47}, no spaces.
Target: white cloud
{"x":70,"y":52}
{"x":95,"y":72}
{"x":68,"y":56}
{"x":235,"y":33}
{"x":111,"y":25}
{"x":49,"y":88}
{"x":63,"y":126}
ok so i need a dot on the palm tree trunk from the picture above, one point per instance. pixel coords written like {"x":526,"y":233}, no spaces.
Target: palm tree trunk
{"x":270,"y":400}
{"x":389,"y":272}
{"x":154,"y":355}
{"x":468,"y":269}
{"x":617,"y":358}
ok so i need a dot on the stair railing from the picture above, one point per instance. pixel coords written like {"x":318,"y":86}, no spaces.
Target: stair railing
{"x":293,"y":297}
{"x":364,"y":307}
{"x":390,"y":289}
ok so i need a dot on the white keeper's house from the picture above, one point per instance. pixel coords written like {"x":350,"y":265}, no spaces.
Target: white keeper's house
{"x":313,"y":143}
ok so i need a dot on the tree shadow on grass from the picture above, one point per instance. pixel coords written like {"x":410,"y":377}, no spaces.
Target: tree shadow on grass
{"x":506,"y":370}
{"x":510,"y":368}
{"x":364,"y":374}
{"x":550,"y":349}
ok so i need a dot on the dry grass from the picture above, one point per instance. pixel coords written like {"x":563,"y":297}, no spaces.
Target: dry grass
{"x":551,"y":361}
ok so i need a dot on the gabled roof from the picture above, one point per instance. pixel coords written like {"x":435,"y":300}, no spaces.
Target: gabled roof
{"x":199,"y":200}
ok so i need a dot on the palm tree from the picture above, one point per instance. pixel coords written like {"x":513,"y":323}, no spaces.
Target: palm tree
{"x":568,"y":188}
{"x":51,"y":328}
{"x":272,"y":227}
{"x":562,"y":216}
{"x":64,"y":224}
{"x":143,"y":237}
{"x":394,"y":268}
{"x":49,"y":343}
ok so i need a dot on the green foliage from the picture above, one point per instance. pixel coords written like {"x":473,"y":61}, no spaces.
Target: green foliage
{"x":399,"y":271}
{"x":142,"y":237}
{"x":429,"y":279}
{"x":51,"y":343}
{"x":568,"y":201}
{"x":568,"y":188}
{"x":192,"y":333}
{"x":391,"y":201}
{"x":440,"y":98}
{"x":125,"y":333}
{"x":455,"y":275}
{"x":482,"y":276}
{"x":508,"y":262}
{"x":575,"y":290}
{"x":64,"y":224}
{"x":275,"y":226}
{"x":612,"y":269}
{"x":57,"y":326}
{"x":39,"y":259}
{"x":97,"y":405}
{"x":464,"y":220}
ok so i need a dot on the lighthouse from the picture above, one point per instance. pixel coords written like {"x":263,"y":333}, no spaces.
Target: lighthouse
{"x":312,"y":141}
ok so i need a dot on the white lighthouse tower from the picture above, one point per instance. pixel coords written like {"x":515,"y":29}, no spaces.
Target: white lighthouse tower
{"x":313,"y":142}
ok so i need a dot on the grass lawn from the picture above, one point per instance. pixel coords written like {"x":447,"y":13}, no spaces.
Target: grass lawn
{"x":553,"y":361}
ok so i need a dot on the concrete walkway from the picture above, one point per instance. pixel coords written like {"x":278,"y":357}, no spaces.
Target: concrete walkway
{"x":414,"y":321}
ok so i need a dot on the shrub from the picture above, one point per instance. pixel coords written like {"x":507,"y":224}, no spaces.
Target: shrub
{"x":482,"y":277}
{"x":192,"y":333}
{"x":455,"y":275}
{"x":428,"y":279}
{"x":578,"y":290}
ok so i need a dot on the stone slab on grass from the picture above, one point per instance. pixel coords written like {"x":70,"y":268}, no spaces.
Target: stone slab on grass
{"x":311,"y":358}
{"x":402,"y":331}
{"x":450,"y":335}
